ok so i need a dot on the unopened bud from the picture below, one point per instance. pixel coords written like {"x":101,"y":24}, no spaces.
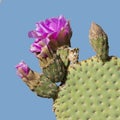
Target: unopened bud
{"x":99,"y":41}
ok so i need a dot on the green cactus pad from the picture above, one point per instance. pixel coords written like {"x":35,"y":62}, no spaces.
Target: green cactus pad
{"x":46,"y":88}
{"x":63,"y":52}
{"x":91,"y":91}
{"x":55,"y":69}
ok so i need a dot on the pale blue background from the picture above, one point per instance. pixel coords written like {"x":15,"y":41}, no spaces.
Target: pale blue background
{"x":17,"y":17}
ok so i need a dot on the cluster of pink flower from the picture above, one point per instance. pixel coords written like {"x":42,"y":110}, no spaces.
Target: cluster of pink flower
{"x":49,"y":34}
{"x":53,"y":31}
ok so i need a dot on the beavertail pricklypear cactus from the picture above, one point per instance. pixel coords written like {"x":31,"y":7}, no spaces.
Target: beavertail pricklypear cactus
{"x":88,"y":89}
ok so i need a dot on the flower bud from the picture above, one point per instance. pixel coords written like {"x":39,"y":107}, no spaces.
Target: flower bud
{"x":99,"y":41}
{"x":22,"y":69}
{"x":31,"y":78}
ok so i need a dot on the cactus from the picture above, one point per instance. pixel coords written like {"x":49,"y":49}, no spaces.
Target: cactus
{"x":88,"y":89}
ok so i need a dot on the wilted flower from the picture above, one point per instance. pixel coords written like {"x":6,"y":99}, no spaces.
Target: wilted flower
{"x":38,"y":45}
{"x":22,"y":69}
{"x":57,"y":30}
{"x":40,"y":48}
{"x":36,"y":48}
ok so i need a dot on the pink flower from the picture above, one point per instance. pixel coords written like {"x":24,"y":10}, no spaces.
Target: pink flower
{"x":56,"y":29}
{"x":22,"y":69}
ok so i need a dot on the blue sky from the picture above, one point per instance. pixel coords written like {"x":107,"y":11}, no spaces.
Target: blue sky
{"x":17,"y":17}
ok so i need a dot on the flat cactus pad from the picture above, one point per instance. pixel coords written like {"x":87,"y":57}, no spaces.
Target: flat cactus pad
{"x":91,"y":91}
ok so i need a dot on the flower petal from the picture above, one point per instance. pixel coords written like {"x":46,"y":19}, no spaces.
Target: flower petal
{"x":35,"y":47}
{"x":32,"y":34}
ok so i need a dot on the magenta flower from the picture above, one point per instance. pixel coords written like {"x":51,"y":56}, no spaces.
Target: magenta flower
{"x":22,"y":69}
{"x":56,"y":29}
